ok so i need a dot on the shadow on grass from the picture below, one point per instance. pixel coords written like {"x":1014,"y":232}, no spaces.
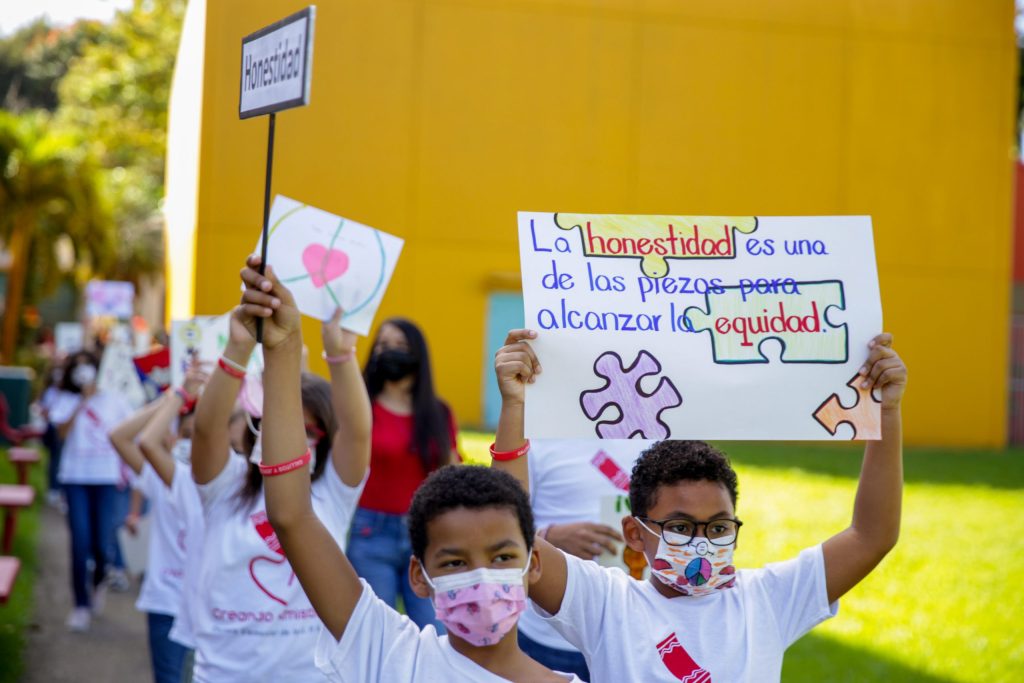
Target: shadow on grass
{"x":819,"y":658}
{"x":16,"y":615}
{"x":995,"y":469}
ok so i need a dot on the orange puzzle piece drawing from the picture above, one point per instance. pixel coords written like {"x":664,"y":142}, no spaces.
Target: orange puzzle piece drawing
{"x":864,"y":415}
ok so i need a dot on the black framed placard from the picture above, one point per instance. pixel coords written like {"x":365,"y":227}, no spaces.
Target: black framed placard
{"x":277,"y":65}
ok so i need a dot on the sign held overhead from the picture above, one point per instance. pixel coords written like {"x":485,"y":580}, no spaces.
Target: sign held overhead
{"x":277,"y":65}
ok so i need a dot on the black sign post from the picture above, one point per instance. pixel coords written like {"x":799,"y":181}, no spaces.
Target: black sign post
{"x":277,"y":69}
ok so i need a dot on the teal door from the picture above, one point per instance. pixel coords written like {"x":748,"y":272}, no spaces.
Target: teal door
{"x":504,"y":313}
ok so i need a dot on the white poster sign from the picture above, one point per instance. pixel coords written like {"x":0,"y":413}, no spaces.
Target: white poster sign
{"x":68,"y":338}
{"x":277,"y":65}
{"x":205,"y":338}
{"x":109,"y":298}
{"x":700,"y":327}
{"x":329,"y":261}
{"x":118,"y":375}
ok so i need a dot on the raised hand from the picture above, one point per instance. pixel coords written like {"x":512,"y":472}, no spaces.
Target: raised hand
{"x":516,"y":365}
{"x":885,"y":371}
{"x":196,"y":377}
{"x":584,"y":539}
{"x":265,"y":297}
{"x":337,"y":341}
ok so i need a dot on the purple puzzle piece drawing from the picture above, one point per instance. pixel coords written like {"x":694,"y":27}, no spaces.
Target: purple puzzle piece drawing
{"x":639,"y":412}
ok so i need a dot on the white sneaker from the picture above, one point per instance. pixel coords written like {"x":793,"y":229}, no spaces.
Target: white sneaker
{"x":99,"y":598}
{"x":78,"y":620}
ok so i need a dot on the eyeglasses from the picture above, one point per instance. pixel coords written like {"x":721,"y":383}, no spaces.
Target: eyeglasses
{"x":681,"y":531}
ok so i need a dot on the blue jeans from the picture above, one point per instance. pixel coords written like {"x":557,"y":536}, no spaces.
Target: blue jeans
{"x":379,"y":549}
{"x":91,"y":523}
{"x":53,"y":444}
{"x":166,"y":655}
{"x":557,"y":660}
{"x":122,"y":504}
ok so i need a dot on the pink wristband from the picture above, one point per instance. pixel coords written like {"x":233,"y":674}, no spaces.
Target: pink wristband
{"x":343,"y":357}
{"x":285,"y":467}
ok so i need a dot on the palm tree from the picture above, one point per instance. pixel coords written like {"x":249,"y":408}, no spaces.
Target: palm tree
{"x":49,"y":187}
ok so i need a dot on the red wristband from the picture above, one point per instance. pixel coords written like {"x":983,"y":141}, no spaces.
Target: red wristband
{"x":188,"y":401}
{"x":285,"y":467}
{"x":510,"y":455}
{"x":230,"y":368}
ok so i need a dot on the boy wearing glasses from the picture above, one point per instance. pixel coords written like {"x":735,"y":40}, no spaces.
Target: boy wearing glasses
{"x":697,"y":619}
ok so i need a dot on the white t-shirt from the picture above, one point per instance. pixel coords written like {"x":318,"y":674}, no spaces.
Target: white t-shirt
{"x":381,"y":645}
{"x":253,"y":622}
{"x":628,"y":631}
{"x":88,"y":456}
{"x":165,"y":571}
{"x":50,"y":397}
{"x":570,"y":482}
{"x":184,"y":501}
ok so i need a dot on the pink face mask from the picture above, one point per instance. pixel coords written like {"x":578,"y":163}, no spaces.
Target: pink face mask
{"x":480,"y":606}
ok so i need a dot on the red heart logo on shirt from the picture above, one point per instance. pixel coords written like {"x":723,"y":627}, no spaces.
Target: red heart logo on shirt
{"x":262,"y":575}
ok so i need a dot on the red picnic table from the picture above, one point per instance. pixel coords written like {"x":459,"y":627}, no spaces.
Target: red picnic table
{"x":12,"y":498}
{"x":9,"y":567}
{"x":21,"y":458}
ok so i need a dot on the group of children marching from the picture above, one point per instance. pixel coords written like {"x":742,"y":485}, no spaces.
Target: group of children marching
{"x":248,"y":570}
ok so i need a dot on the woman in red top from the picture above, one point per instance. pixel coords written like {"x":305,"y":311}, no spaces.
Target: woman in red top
{"x":413,"y":435}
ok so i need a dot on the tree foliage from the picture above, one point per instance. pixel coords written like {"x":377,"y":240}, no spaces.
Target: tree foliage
{"x":118,"y":90}
{"x":35,"y":58}
{"x":50,"y":193}
{"x":89,"y":177}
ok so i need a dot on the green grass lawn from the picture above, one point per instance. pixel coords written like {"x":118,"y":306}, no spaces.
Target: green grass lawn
{"x":946,"y":605}
{"x":16,"y":615}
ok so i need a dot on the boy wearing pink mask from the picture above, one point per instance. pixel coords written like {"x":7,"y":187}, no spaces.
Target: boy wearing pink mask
{"x":471,"y":530}
{"x":697,"y":619}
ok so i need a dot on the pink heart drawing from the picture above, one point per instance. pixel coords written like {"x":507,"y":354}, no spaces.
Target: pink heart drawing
{"x":323,"y":264}
{"x":270,"y":574}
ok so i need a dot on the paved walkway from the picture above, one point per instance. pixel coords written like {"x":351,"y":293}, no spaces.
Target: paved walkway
{"x":114,"y":650}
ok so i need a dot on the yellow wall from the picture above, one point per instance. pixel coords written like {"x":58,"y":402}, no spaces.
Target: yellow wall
{"x":439,"y":119}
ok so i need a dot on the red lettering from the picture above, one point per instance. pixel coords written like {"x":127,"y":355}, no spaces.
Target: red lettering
{"x":767,"y":324}
{"x":590,"y":242}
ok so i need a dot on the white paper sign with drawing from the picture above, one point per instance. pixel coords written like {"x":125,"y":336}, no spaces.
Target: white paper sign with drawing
{"x":68,"y":337}
{"x":702,"y":327}
{"x":329,"y":261}
{"x":117,"y":374}
{"x":204,"y":337}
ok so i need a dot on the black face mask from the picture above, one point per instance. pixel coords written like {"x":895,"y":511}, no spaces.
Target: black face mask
{"x":394,"y":364}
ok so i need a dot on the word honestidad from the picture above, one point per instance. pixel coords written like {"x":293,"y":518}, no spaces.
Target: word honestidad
{"x":284,"y":64}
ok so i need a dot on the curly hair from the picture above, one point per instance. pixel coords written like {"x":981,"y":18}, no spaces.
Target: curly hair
{"x":670,"y":462}
{"x":466,"y":486}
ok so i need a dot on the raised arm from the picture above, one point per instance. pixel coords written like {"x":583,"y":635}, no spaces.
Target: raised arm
{"x":131,"y":520}
{"x":350,"y":450}
{"x":211,"y":446}
{"x":64,"y":428}
{"x":516,"y":365}
{"x":851,"y":554}
{"x":325,"y":573}
{"x":152,"y":441}
{"x":122,"y":437}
